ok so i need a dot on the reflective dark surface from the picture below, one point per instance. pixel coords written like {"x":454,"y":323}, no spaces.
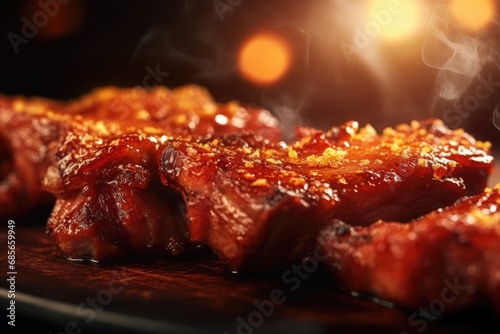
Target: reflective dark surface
{"x":195,"y":294}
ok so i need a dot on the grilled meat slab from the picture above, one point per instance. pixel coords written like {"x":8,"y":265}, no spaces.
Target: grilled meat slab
{"x":260,"y":205}
{"x":111,"y":202}
{"x":33,"y":129}
{"x":450,"y":256}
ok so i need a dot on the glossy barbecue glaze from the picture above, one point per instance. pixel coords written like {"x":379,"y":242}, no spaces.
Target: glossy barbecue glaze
{"x":33,"y":129}
{"x":259,"y":205}
{"x":111,"y":202}
{"x":450,"y":256}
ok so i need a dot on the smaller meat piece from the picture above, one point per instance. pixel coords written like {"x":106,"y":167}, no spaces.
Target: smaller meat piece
{"x":260,"y":205}
{"x":451,"y":255}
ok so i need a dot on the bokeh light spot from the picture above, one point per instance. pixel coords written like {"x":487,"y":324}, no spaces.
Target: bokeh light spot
{"x":264,"y":59}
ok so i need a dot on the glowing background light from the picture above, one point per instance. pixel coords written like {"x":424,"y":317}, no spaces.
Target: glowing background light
{"x":395,"y":20}
{"x":264,"y":59}
{"x":472,"y":14}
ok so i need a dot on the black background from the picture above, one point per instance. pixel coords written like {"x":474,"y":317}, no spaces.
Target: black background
{"x":113,"y":43}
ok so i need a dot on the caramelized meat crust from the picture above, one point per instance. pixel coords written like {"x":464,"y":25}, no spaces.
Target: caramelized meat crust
{"x":183,"y":111}
{"x":260,"y":205}
{"x":33,"y":129}
{"x":112,"y":204}
{"x":451,"y":255}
